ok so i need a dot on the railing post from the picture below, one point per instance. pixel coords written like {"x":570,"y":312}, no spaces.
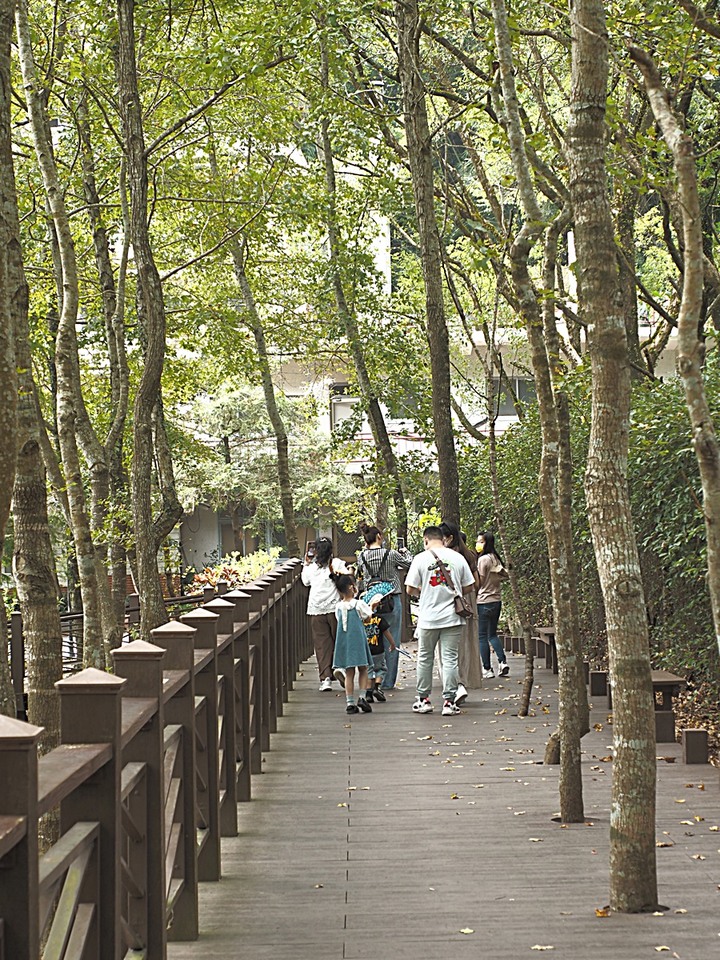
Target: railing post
{"x":141,"y":665}
{"x":17,"y":663}
{"x":178,"y":640}
{"x":206,"y":686}
{"x":90,"y":712}
{"x":19,"y":798}
{"x":221,"y":612}
{"x":241,"y":689}
{"x":260,"y":730}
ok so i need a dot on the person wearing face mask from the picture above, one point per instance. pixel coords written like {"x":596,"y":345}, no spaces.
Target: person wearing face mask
{"x":491,"y":574}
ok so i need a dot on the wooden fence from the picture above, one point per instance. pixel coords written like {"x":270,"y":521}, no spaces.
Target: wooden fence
{"x":153,"y":761}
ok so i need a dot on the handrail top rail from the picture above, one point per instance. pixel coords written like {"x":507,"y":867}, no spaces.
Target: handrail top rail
{"x":62,"y":770}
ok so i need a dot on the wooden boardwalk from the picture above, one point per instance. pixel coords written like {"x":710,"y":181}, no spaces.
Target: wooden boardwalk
{"x":392,"y":836}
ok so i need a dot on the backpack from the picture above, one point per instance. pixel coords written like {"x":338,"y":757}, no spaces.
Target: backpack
{"x":376,"y":585}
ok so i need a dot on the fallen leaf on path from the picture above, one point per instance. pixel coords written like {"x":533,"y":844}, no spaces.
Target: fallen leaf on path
{"x":535,"y":839}
{"x":664,"y":843}
{"x":661,"y":949}
{"x":540,"y":947}
{"x":467,"y":930}
{"x":681,"y":800}
{"x":598,"y":727}
{"x":681,"y":911}
{"x":715,"y":829}
{"x":429,"y":737}
{"x":698,"y":856}
{"x":319,"y":886}
{"x":342,"y":804}
{"x":602,"y":911}
{"x":454,"y":796}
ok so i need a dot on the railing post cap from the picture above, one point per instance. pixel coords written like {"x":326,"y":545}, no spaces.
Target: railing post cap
{"x":172,"y":628}
{"x":236,"y":595}
{"x":219,"y":603}
{"x":138,"y":650}
{"x":15,"y":733}
{"x":198,"y":615}
{"x":90,"y":680}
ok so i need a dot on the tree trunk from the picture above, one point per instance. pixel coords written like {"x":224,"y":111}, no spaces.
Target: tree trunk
{"x":690,"y":347}
{"x":419,"y":147}
{"x":150,"y":296}
{"x":633,"y":880}
{"x":239,"y":254}
{"x":13,"y":299}
{"x":376,"y":419}
{"x":70,"y":405}
{"x":554,"y":464}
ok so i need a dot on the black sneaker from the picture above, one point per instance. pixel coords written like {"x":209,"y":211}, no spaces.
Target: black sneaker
{"x":364,"y":706}
{"x":369,"y":696}
{"x":379,"y":695}
{"x":353,"y":708}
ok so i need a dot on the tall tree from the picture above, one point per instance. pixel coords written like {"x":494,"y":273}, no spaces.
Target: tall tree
{"x":633,"y":878}
{"x":419,"y":151}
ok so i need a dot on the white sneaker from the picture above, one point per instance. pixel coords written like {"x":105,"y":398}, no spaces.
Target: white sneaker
{"x":450,"y":708}
{"x":461,"y":695}
{"x":422,"y":705}
{"x":488,"y":675}
{"x":326,"y":685}
{"x":504,"y":669}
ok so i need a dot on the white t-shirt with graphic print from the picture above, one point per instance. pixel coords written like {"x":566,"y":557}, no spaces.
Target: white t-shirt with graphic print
{"x":437,"y":601}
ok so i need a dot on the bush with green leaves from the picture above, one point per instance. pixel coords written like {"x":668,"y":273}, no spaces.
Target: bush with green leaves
{"x":667,"y":512}
{"x":236,"y":569}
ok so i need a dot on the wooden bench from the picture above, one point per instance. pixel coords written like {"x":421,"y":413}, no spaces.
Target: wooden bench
{"x":545,"y":645}
{"x":666,"y":686}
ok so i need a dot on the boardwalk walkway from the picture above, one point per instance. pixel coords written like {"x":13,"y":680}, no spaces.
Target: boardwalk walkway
{"x":393,"y":836}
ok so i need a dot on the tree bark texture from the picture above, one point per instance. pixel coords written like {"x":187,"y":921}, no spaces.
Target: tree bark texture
{"x":376,"y":419}
{"x":281,"y":439}
{"x":633,"y":880}
{"x":419,"y":149}
{"x":150,"y":295}
{"x":71,"y":411}
{"x":689,"y":356}
{"x":554,"y":464}
{"x":11,"y":299}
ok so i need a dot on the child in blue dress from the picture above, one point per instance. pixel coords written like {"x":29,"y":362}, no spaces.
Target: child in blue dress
{"x":351,"y":646}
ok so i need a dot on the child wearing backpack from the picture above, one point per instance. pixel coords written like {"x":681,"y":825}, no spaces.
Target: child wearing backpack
{"x":377,"y":628}
{"x":352,"y":651}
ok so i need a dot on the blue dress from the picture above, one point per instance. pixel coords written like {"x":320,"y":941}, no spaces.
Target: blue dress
{"x":351,"y":645}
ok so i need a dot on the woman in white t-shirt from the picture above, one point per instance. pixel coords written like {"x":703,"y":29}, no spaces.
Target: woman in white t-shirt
{"x":322,"y":601}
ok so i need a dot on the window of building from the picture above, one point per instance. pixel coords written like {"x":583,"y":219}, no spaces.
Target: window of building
{"x":503,"y":401}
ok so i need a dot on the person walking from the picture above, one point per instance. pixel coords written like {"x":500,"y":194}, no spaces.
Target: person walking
{"x":352,"y":651}
{"x":469,"y":669}
{"x":491,"y":574}
{"x":374,"y":561}
{"x":435,"y":576}
{"x":319,"y":564}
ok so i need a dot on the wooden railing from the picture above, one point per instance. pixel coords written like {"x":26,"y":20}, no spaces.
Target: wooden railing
{"x":152,"y":764}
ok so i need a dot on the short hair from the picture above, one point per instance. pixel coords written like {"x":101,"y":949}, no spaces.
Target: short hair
{"x":433,"y":533}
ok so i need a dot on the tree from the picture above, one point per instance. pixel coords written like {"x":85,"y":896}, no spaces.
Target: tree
{"x":633,"y":880}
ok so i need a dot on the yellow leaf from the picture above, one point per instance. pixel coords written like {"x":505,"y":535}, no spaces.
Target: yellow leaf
{"x":661,"y":949}
{"x":698,"y":819}
{"x":681,"y":800}
{"x":454,"y":796}
{"x":664,"y":843}
{"x":467,"y":930}
{"x":598,"y":727}
{"x":715,"y":829}
{"x":602,"y":911}
{"x":698,"y":856}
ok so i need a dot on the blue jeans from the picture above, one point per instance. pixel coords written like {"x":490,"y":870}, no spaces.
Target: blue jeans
{"x":488,"y":616}
{"x":392,"y":657}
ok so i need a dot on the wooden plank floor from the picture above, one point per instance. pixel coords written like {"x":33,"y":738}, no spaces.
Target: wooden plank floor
{"x":385,"y":836}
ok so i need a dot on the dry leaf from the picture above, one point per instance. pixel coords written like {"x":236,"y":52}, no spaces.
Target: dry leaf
{"x":661,"y":949}
{"x":467,"y":930}
{"x":602,"y":911}
{"x":698,"y":819}
{"x":664,"y":843}
{"x":681,"y":800}
{"x":598,"y":727}
{"x":342,"y":804}
{"x":428,"y":737}
{"x":319,"y":886}
{"x":698,"y":856}
{"x":681,"y":911}
{"x":454,"y":796}
{"x":535,"y":839}
{"x":714,"y":829}
{"x":539,"y":947}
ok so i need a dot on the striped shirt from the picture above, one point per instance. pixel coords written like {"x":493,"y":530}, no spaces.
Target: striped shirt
{"x":371,"y":560}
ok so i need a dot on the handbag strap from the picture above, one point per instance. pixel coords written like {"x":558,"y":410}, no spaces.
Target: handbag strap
{"x":449,"y":581}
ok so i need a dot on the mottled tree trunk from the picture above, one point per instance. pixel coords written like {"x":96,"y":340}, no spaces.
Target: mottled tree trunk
{"x":10,"y":257}
{"x":554,"y":423}
{"x":633,"y":880}
{"x":690,"y":348}
{"x":70,"y":406}
{"x":376,"y":419}
{"x":419,"y":149}
{"x":147,"y":534}
{"x":281,"y":440}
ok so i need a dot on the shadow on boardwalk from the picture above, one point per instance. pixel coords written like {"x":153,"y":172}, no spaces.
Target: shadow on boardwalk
{"x":386,"y":836}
